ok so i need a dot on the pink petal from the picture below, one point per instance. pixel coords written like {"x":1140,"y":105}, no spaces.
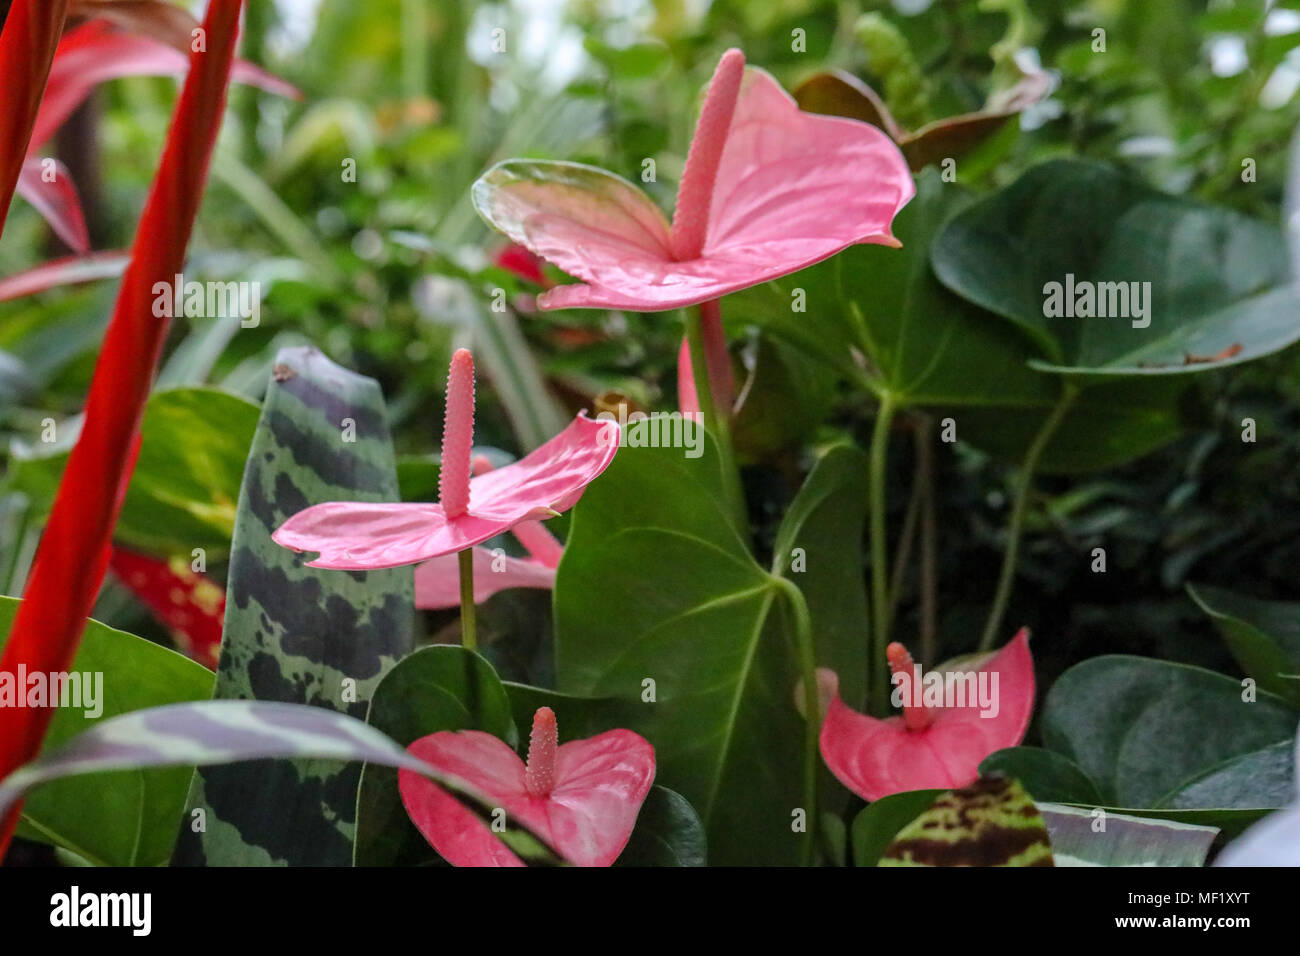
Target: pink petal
{"x":550,"y":478}
{"x":437,"y":581}
{"x":357,"y":536}
{"x":590,"y":223}
{"x":875,"y":758}
{"x":793,"y":188}
{"x":687,"y":398}
{"x":95,"y":52}
{"x":601,"y":783}
{"x":56,"y":200}
{"x":541,"y":544}
{"x":459,"y":836}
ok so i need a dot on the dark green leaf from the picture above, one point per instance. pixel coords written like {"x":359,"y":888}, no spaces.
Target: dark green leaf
{"x":436,"y":688}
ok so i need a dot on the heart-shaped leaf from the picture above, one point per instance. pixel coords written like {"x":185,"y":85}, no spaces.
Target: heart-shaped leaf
{"x":1141,"y":728}
{"x":876,"y":825}
{"x":1061,"y":781}
{"x":658,"y":600}
{"x":1113,"y":278}
{"x":435,"y":688}
{"x":126,"y":818}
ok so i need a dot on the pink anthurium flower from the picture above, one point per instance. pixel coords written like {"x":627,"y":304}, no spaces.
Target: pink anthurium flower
{"x":767,"y":190}
{"x":581,"y":797}
{"x":437,"y":581}
{"x":929,"y":747}
{"x":362,"y":536}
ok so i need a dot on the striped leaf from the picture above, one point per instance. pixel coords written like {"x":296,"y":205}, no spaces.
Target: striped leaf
{"x":1093,"y":837}
{"x":212,"y":733}
{"x":297,"y":634}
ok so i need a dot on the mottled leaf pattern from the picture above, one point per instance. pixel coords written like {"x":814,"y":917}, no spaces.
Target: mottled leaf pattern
{"x":298,"y":634}
{"x":993,"y":822}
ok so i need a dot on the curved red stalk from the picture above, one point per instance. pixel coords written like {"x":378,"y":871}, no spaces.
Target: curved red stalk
{"x":27,"y":44}
{"x":539,"y":773}
{"x":457,"y":436}
{"x":918,"y":716}
{"x":75,"y":547}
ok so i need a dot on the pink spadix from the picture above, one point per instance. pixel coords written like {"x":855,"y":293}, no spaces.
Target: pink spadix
{"x":457,"y":436}
{"x":539,"y":773}
{"x":695,"y":192}
{"x":582,"y":797}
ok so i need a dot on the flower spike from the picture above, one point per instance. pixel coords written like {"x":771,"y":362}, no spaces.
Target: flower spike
{"x":539,"y":775}
{"x":457,"y":436}
{"x":915,"y":716}
{"x":695,"y":193}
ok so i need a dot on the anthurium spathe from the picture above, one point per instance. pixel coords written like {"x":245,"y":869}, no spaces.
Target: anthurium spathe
{"x":767,"y":190}
{"x":930,"y":747}
{"x":437,"y":581}
{"x":581,"y":797}
{"x":362,"y":536}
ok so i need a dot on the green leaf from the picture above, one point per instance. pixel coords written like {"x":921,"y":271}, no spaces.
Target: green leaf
{"x":1124,"y":841}
{"x":1220,"y":288}
{"x":655,"y":585}
{"x":993,"y":822}
{"x":876,"y":825}
{"x":1044,"y":773}
{"x":928,"y":346}
{"x":183,"y":492}
{"x":1263,"y":778}
{"x":299,"y":634}
{"x":786,"y":396}
{"x":435,"y":688}
{"x":1141,"y":728}
{"x":122,"y":818}
{"x":1060,"y":780}
{"x":1264,"y":636}
{"x":668,"y":833}
{"x":577,"y":717}
{"x":825,"y":522}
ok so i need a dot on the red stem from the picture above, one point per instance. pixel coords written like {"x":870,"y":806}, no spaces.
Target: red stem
{"x":27,"y":44}
{"x":75,"y":547}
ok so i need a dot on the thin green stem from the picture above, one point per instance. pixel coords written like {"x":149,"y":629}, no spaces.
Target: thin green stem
{"x":1015,"y":527}
{"x":812,"y":708}
{"x":468,"y":631}
{"x":879,"y":698}
{"x":716,"y":421}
